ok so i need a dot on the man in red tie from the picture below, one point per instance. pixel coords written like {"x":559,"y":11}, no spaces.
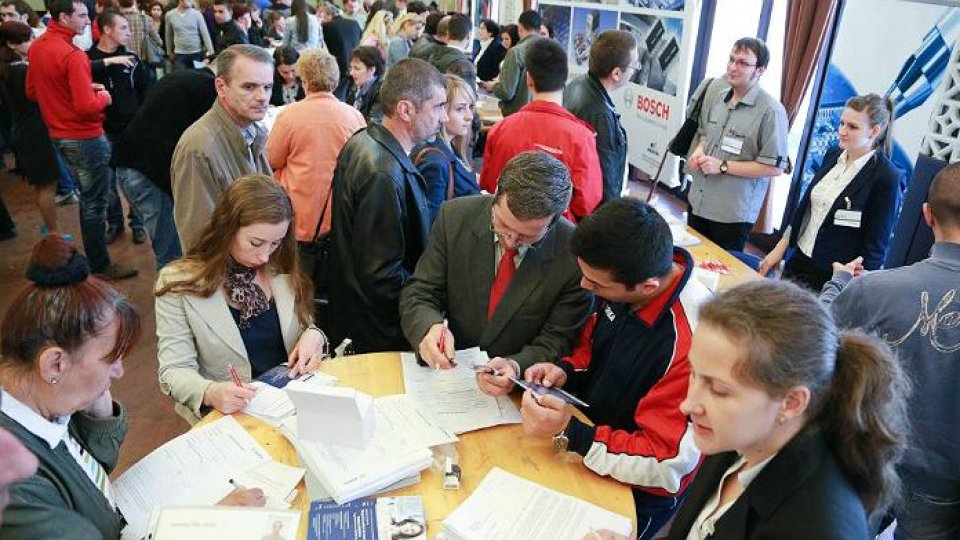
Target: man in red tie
{"x":499,"y":269}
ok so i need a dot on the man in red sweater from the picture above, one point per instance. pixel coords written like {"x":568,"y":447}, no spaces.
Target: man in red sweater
{"x":543,"y":124}
{"x":60,"y":81}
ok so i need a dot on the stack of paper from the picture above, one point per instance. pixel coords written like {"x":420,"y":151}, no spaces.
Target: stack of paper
{"x":192,"y":469}
{"x":452,"y":395}
{"x":223,"y":523}
{"x":505,"y":507}
{"x":273,"y":405}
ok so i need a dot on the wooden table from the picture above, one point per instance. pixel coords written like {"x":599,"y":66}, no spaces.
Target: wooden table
{"x":708,"y":251}
{"x":502,"y":446}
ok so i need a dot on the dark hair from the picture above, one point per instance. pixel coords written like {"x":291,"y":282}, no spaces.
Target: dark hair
{"x":156,"y":3}
{"x":285,"y":56}
{"x":227,"y":3}
{"x":417,"y":7}
{"x":627,"y":238}
{"x":757,"y":47}
{"x":370,"y":56}
{"x":302,"y":16}
{"x":125,"y":4}
{"x":11,"y":33}
{"x":433,"y":19}
{"x":65,"y":7}
{"x":537,"y":185}
{"x":944,"y":195}
{"x":546,"y":62}
{"x":857,"y":390}
{"x":239,"y":10}
{"x":23,"y":8}
{"x":410,"y":79}
{"x":459,"y":27}
{"x":491,"y":26}
{"x":108,"y":18}
{"x":531,"y":20}
{"x":63,"y":307}
{"x":611,"y":50}
{"x":511,"y":30}
{"x":407,"y":521}
{"x":880,"y":112}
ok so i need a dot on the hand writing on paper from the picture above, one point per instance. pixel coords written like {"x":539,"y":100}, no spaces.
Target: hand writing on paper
{"x":244,"y":497}
{"x":854,"y":267}
{"x":227,"y":397}
{"x":543,"y":416}
{"x":430,"y":347}
{"x":308,"y":353}
{"x":497,"y":383}
{"x":546,"y":374}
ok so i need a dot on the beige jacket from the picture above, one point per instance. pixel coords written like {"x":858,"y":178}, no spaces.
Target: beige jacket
{"x":197,"y":338}
{"x":210,"y":155}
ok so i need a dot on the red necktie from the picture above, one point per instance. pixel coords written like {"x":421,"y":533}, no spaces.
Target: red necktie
{"x":505,"y":272}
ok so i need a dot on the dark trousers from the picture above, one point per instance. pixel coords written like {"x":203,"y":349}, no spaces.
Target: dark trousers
{"x":729,"y":236}
{"x":653,"y":512}
{"x":114,"y":206}
{"x":185,"y":61}
{"x":801,"y":270}
{"x":89,"y":160}
{"x":6,"y":222}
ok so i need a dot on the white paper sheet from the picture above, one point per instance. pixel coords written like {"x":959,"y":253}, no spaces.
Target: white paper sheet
{"x":277,"y":480}
{"x":270,"y":404}
{"x":505,"y":507}
{"x":223,"y":523}
{"x":401,"y":415}
{"x":192,"y":469}
{"x":453,"y":398}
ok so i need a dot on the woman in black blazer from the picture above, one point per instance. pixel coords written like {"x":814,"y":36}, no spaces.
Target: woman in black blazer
{"x":366,"y":74}
{"x":488,"y":52}
{"x":801,"y":424}
{"x":851,"y":206}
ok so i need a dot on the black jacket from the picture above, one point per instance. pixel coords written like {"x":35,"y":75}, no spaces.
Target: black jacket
{"x":488,"y":66}
{"x":802,"y":493}
{"x":176,"y":101}
{"x":127,"y":86}
{"x":369,"y":104}
{"x":341,"y":37}
{"x":379,"y":230}
{"x":452,"y":60}
{"x":875,"y":192}
{"x":276,"y":96}
{"x":586,"y":98}
{"x":228,"y":34}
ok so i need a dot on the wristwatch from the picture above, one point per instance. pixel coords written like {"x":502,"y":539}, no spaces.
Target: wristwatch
{"x":561,"y":442}
{"x":723,"y":167}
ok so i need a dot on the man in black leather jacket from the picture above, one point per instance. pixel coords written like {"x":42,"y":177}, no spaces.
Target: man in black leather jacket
{"x":613,"y":61}
{"x":380,"y":216}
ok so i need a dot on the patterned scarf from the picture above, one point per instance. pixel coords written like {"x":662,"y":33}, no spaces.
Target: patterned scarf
{"x":243,"y":292}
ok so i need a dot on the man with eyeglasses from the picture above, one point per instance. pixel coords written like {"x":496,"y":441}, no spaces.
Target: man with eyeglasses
{"x":613,"y":61}
{"x":498,"y":269}
{"x":742,"y":144}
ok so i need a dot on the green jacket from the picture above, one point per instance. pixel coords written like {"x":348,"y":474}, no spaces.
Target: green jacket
{"x":511,"y":88}
{"x":60,"y":501}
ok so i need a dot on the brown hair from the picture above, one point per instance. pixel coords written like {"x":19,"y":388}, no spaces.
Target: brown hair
{"x":944,"y":196}
{"x":858,"y":393}
{"x":880,"y":112}
{"x":250,"y":199}
{"x":410,"y":79}
{"x":319,"y":71}
{"x":66,"y":312}
{"x":611,"y":50}
{"x":11,"y":33}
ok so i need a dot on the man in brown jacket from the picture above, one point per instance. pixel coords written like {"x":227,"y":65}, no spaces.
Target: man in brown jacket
{"x":226,"y":142}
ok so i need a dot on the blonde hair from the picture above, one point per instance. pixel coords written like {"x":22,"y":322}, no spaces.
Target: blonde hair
{"x":461,"y":143}
{"x":402,"y":20}
{"x":318,"y":70}
{"x":378,"y":28}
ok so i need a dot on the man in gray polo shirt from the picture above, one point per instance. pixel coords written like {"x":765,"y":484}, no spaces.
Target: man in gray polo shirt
{"x":743,"y":143}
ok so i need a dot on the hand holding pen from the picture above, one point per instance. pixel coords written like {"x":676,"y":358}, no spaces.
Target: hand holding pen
{"x":495,"y":377}
{"x":438,"y":347}
{"x":241,"y":496}
{"x":230,"y":396}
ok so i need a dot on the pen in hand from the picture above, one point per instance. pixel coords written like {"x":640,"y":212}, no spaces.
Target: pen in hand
{"x":443,"y":340}
{"x":234,"y":375}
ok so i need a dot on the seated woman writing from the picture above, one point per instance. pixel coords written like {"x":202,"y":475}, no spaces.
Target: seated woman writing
{"x":63,"y":345}
{"x":237,"y":299}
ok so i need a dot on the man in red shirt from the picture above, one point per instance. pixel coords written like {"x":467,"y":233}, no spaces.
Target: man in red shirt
{"x":60,"y":81}
{"x":543,"y":124}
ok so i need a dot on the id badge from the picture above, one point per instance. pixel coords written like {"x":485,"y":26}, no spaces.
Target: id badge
{"x":732,"y":145}
{"x":847,"y":218}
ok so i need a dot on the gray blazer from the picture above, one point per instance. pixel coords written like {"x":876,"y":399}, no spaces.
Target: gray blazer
{"x":538,"y":318}
{"x":197,"y":338}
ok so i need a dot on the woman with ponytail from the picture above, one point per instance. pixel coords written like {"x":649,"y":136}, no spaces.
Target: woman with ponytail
{"x":852,"y":203}
{"x":801,"y":424}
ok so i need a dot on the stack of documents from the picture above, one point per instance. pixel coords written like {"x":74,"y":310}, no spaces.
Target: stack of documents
{"x":506,"y":507}
{"x":452,"y":396}
{"x":272,"y":404}
{"x":223,"y":523}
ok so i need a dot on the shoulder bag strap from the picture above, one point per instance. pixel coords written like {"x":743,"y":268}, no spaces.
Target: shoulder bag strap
{"x":323,"y":212}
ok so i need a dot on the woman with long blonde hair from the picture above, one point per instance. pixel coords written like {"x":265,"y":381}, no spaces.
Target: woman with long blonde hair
{"x":406,"y":30}
{"x":377,"y":33}
{"x":237,"y":302}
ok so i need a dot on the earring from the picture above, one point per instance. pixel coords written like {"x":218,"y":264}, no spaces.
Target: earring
{"x":53,"y":381}
{"x":780,"y":420}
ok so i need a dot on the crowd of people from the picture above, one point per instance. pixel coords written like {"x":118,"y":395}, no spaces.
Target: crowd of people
{"x":777,"y":408}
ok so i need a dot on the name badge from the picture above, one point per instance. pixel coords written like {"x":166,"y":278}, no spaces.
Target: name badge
{"x":732,"y":145}
{"x":847,"y":218}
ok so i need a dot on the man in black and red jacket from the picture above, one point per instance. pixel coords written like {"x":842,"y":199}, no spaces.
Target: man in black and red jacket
{"x":631,"y":365}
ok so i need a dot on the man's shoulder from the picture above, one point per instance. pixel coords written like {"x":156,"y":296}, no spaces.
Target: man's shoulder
{"x":766,"y":101}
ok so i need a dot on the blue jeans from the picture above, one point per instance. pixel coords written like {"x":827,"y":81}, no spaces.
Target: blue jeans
{"x":115,"y":207}
{"x":89,"y":160}
{"x":928,"y":516}
{"x":185,"y":61}
{"x":156,"y":209}
{"x":67,"y":184}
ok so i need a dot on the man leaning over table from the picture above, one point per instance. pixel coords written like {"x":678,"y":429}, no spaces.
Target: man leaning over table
{"x":743,"y":143}
{"x":499,"y":269}
{"x":631,"y":364}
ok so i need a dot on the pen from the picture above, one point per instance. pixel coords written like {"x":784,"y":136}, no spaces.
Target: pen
{"x":847,"y":200}
{"x":443,"y":338}
{"x":234,"y":375}
{"x":237,"y":485}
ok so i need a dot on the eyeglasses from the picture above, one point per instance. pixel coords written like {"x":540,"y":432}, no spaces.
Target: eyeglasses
{"x":635,"y":67}
{"x":740,"y":63}
{"x":497,"y":227}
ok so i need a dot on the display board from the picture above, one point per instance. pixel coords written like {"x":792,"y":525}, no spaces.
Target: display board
{"x":652,"y":105}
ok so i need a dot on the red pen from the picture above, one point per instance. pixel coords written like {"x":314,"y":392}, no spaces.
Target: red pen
{"x":443,"y":338}
{"x":234,"y":375}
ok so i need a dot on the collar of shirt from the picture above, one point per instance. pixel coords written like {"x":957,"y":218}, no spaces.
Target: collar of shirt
{"x":749,"y":475}
{"x":521,"y":253}
{"x":946,"y":250}
{"x":51,"y":431}
{"x":651,"y":312}
{"x":857,"y":163}
{"x":249,"y":134}
{"x":750,"y":98}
